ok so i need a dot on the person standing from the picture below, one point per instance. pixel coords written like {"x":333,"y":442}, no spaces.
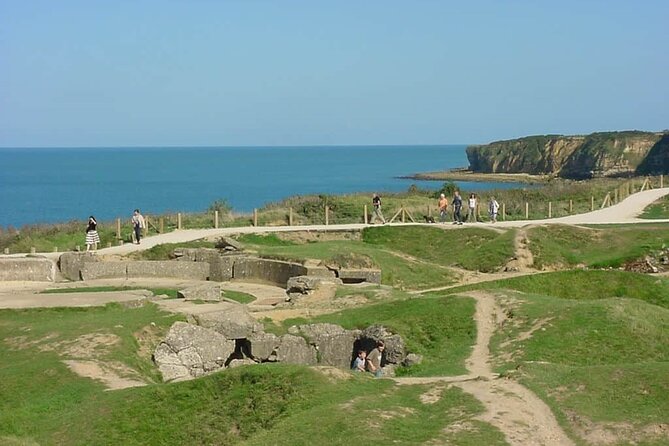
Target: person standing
{"x":137,"y":224}
{"x":376,"y":202}
{"x":443,"y":206}
{"x":457,"y":208}
{"x":92,"y":236}
{"x":493,"y":209}
{"x":374,"y":359}
{"x":471,"y":214}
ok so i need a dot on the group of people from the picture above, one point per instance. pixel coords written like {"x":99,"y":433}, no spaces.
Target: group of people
{"x":93,"y":238}
{"x":370,"y":362}
{"x":472,"y":202}
{"x":442,"y":204}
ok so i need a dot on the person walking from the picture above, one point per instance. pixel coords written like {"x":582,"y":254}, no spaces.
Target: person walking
{"x":471,"y":213}
{"x":376,"y":203}
{"x":443,"y":206}
{"x":92,"y":236}
{"x":493,"y":209}
{"x":374,"y":359}
{"x":457,"y":208}
{"x":138,"y":224}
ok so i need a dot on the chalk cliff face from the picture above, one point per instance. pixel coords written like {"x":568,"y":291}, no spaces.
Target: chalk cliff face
{"x":598,"y":154}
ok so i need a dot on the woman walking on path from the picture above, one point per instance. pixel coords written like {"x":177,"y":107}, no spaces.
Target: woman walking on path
{"x":471,"y":214}
{"x":92,"y":236}
{"x":378,"y":215}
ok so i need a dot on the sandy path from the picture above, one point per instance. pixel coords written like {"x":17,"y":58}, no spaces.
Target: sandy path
{"x":627,"y":211}
{"x":524,"y":419}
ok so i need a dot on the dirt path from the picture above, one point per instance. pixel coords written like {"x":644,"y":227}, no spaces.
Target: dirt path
{"x":523,"y":260}
{"x":524,"y":419}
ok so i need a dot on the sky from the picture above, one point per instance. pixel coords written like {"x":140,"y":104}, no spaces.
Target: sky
{"x":253,"y":72}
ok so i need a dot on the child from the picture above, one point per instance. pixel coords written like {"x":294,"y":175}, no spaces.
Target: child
{"x":359,"y":362}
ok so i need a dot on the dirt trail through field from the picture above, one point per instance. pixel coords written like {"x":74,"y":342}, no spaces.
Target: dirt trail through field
{"x":523,"y":418}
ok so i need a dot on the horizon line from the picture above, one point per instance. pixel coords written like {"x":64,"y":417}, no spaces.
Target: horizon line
{"x":260,"y":146}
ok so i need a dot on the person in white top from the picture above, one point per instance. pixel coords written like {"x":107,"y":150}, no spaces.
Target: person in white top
{"x":138,"y":224}
{"x":471,"y":215}
{"x":493,"y":208}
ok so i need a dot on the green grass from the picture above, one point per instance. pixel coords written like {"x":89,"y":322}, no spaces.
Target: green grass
{"x":238,"y":296}
{"x":43,"y":402}
{"x":561,"y":246}
{"x":264,"y":240}
{"x":603,"y":360}
{"x":658,"y":210}
{"x":396,"y":271}
{"x":440,"y":329}
{"x":584,"y":285}
{"x":470,"y":248}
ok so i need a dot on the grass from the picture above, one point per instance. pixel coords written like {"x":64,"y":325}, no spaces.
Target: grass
{"x":441,"y":329}
{"x":470,"y":248}
{"x":566,"y":246}
{"x":658,"y":210}
{"x":584,"y":285}
{"x":43,"y":402}
{"x":602,"y":360}
{"x":238,"y":296}
{"x":397,"y":271}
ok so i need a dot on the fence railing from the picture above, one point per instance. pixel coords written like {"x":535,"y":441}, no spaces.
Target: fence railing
{"x":398,"y":211}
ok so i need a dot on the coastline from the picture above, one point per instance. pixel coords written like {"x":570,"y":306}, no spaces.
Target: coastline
{"x":463,"y":174}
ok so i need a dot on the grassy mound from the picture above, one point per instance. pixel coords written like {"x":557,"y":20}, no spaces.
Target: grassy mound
{"x":470,"y":248}
{"x":585,"y":285}
{"x":658,"y":210}
{"x":566,"y":246}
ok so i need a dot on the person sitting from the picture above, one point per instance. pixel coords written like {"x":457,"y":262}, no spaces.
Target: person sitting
{"x":359,"y":362}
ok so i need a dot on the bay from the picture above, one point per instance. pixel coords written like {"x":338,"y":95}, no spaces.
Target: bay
{"x":46,"y":185}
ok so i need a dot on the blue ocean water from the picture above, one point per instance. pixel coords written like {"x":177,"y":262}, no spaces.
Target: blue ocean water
{"x":44,"y":185}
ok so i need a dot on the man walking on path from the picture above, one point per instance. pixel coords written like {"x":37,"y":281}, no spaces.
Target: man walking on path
{"x":138,"y":224}
{"x":493,"y":209}
{"x":376,"y":202}
{"x":471,"y":214}
{"x":443,"y":205}
{"x":457,"y":208}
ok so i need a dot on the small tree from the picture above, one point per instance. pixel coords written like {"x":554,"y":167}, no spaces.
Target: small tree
{"x":447,"y":189}
{"x":222,"y":206}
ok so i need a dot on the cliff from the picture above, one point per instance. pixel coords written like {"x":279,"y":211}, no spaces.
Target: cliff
{"x":598,"y":154}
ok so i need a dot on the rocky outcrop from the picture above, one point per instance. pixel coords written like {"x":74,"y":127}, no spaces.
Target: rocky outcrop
{"x":234,"y":322}
{"x":395,"y":350}
{"x":598,"y":154}
{"x":334,"y":344}
{"x":210,"y":292}
{"x":189,"y":351}
{"x":657,"y":160}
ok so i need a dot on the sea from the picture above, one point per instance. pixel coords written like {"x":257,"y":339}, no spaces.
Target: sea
{"x":48,"y":185}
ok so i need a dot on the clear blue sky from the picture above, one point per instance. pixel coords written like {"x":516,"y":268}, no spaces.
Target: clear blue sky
{"x":209,"y":72}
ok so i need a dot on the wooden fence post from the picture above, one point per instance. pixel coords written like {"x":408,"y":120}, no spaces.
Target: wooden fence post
{"x":55,"y":248}
{"x":403,"y":215}
{"x":33,"y":250}
{"x":615,"y":195}
{"x":327,"y":215}
{"x":162,"y":225}
{"x":6,"y":251}
{"x":255,"y":217}
{"x":503,"y":211}
{"x":429,"y":211}
{"x":571,"y":206}
{"x":592,"y":203}
{"x":527,"y":210}
{"x":178,"y":220}
{"x":661,"y":180}
{"x":118,"y":229}
{"x":109,"y":244}
{"x":366,"y":216}
{"x":216,"y":219}
{"x":550,"y":209}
